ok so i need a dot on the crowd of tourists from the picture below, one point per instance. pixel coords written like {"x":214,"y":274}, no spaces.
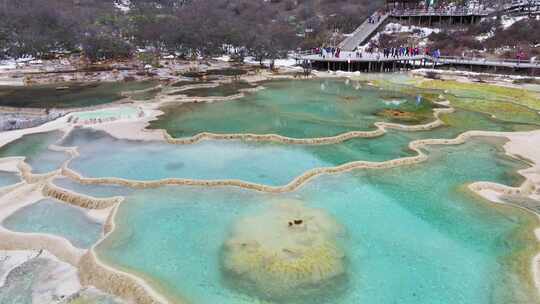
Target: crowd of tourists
{"x":331,"y":52}
{"x":389,"y":52}
{"x":402,"y":51}
{"x":375,"y":18}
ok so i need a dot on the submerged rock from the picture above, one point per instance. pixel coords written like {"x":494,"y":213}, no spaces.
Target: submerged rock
{"x":288,"y":246}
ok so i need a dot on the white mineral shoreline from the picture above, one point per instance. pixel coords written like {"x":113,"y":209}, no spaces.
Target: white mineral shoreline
{"x":516,"y":146}
{"x":523,"y":144}
{"x":527,"y":145}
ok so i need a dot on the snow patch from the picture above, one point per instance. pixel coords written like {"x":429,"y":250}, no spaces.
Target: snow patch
{"x":419,"y":31}
{"x":288,"y":62}
{"x":509,"y":21}
{"x":225,"y":58}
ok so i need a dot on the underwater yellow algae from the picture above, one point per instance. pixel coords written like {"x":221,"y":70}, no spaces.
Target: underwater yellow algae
{"x":481,"y":91}
{"x":505,"y":103}
{"x":287,"y":246}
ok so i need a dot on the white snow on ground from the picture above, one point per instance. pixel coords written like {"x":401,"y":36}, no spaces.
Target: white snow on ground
{"x":395,"y":28}
{"x":392,"y":28}
{"x":225,"y":58}
{"x":289,"y":62}
{"x":509,"y":21}
{"x":8,"y":65}
{"x":122,"y":5}
{"x":285,"y":62}
{"x":486,"y":36}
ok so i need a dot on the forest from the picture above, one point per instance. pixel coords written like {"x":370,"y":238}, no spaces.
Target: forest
{"x":114,"y":29}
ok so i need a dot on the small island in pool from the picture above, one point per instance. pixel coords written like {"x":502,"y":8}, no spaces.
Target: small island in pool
{"x":377,"y":188}
{"x":283,"y":249}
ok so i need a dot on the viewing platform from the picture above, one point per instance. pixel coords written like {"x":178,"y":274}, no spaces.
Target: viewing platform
{"x":457,"y":12}
{"x":377,"y":63}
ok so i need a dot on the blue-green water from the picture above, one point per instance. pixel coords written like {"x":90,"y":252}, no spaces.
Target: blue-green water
{"x":52,"y":217}
{"x":99,"y":191}
{"x":265,"y":163}
{"x":34,"y":147}
{"x":414,"y":234}
{"x":8,"y":178}
{"x":300,"y":109}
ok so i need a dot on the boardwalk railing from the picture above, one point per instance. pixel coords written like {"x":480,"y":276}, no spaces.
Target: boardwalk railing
{"x":488,"y":62}
{"x":522,"y":3}
{"x":417,"y":60}
{"x":301,"y":54}
{"x":439,"y":12}
{"x":522,"y":7}
{"x":363,"y":32}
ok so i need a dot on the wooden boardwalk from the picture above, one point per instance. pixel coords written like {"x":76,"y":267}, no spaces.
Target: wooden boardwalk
{"x":366,"y":29}
{"x":348,"y":61}
{"x":522,"y":7}
{"x":440,"y":13}
{"x":361,"y":34}
{"x":506,"y":63}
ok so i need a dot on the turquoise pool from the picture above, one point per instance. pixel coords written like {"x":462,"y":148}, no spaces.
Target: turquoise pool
{"x":410,"y":234}
{"x":8,"y":178}
{"x":413,"y":234}
{"x":34,"y":147}
{"x":43,"y":217}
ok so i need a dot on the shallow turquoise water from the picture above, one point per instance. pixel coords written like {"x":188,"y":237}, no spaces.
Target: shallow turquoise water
{"x":99,"y":191}
{"x":413,"y":234}
{"x":118,"y":113}
{"x":8,"y":178}
{"x":44,"y":217}
{"x":223,"y":90}
{"x":300,"y":109}
{"x":266,"y":163}
{"x":34,"y":147}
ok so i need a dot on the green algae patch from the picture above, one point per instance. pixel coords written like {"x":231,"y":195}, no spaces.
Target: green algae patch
{"x":501,"y":110}
{"x":504,"y":103}
{"x":68,"y":95}
{"x":223,"y":90}
{"x":462,"y":121}
{"x":486,"y":91}
{"x":145,"y":95}
{"x":296,"y":108}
